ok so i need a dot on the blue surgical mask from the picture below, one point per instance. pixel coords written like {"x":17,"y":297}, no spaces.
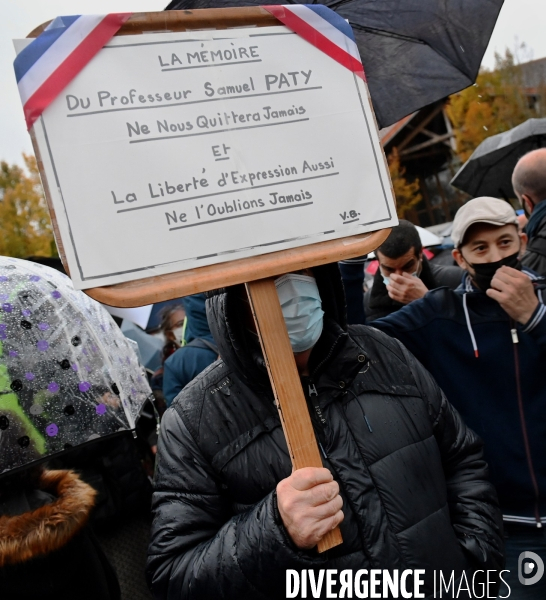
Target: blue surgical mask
{"x":301,"y":308}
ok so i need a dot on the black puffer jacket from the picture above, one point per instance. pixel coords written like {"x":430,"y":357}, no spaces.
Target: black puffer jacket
{"x":414,"y":483}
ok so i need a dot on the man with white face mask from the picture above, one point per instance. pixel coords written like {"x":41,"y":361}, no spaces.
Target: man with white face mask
{"x":404,"y":273}
{"x":403,"y":477}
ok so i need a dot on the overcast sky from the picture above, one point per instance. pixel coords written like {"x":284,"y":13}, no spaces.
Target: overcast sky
{"x":519,"y":21}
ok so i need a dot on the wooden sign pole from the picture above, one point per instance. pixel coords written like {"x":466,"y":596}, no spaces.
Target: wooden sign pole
{"x":285,"y":381}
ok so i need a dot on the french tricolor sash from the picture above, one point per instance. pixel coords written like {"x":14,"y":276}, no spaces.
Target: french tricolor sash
{"x":325,"y":29}
{"x":50,"y":62}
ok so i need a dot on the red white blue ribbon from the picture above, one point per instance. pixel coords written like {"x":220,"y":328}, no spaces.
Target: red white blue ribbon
{"x":50,"y":62}
{"x":325,"y":29}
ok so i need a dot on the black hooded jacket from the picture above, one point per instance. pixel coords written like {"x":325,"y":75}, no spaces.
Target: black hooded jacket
{"x":411,"y":474}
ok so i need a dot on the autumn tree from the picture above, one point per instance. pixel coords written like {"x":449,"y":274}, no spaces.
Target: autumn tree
{"x":25,"y":226}
{"x":406,"y":192}
{"x":495,"y":103}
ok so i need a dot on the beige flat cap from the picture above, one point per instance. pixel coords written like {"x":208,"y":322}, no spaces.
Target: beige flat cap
{"x":481,"y":210}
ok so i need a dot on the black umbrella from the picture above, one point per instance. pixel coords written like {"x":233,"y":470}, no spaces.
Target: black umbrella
{"x":414,"y":52}
{"x":488,"y":172}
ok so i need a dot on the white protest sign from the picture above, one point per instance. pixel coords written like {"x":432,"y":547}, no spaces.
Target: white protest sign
{"x":171,"y":151}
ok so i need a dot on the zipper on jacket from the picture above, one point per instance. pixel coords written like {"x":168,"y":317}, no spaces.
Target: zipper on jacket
{"x":313,"y":399}
{"x":515,"y":342}
{"x":319,"y":422}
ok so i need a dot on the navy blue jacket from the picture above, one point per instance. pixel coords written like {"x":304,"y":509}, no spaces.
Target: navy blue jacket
{"x":484,"y":388}
{"x":187,"y":362}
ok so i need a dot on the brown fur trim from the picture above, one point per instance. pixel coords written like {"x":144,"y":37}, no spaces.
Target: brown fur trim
{"x":49,"y":527}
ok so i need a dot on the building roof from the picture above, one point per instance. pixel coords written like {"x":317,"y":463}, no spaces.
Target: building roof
{"x":387,"y":133}
{"x":533,"y":74}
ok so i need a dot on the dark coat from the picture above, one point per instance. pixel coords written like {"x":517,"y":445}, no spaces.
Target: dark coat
{"x":46,"y":550}
{"x":183,"y":365}
{"x":378,"y":303}
{"x":352,"y":275}
{"x":412,"y":476}
{"x":484,"y":388}
{"x":113,"y":467}
{"x":198,"y":353}
{"x":535,"y":255}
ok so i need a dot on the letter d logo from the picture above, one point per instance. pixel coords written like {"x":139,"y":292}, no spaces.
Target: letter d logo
{"x":527,"y":563}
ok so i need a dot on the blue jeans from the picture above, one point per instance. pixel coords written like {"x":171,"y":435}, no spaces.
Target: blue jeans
{"x":519,"y":539}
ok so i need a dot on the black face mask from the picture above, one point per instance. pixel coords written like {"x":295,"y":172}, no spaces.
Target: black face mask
{"x":484,"y":272}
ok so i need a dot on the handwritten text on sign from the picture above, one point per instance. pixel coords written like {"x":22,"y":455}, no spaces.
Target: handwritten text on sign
{"x":178,"y":150}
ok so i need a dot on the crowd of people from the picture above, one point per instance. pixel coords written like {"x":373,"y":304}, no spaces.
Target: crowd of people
{"x":427,"y":403}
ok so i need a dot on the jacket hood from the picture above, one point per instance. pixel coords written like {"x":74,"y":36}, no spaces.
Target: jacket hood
{"x":196,"y":314}
{"x":228,"y":312}
{"x":62,"y":504}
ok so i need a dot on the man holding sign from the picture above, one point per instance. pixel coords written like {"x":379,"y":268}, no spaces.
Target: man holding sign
{"x":403,"y":476}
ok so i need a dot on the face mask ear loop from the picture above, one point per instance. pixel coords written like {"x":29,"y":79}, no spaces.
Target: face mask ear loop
{"x":469,"y":326}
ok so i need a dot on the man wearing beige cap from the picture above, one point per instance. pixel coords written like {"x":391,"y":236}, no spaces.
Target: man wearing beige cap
{"x":485,"y":344}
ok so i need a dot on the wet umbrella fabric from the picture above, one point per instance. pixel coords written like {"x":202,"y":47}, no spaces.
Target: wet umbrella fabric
{"x":488,"y":172}
{"x":414,"y":53}
{"x":67,"y":373}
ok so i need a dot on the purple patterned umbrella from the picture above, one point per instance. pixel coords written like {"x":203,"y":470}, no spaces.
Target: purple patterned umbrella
{"x":67,"y":373}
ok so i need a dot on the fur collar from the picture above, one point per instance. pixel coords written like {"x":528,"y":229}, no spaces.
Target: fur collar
{"x":51,"y":526}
